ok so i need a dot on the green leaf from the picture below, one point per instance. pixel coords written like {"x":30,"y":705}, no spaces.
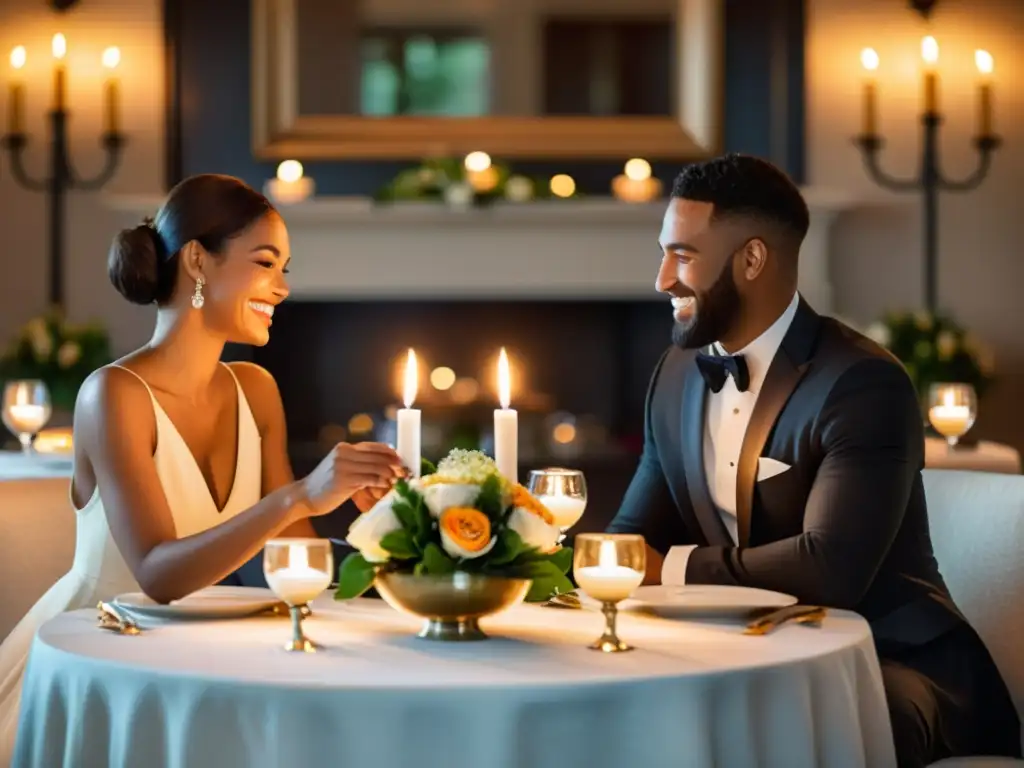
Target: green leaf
{"x":405,"y":513}
{"x":400,"y":544}
{"x":490,"y":501}
{"x":535,"y":569}
{"x":547,"y":587}
{"x":427,"y":467}
{"x":355,"y":576}
{"x":424,"y":524}
{"x":436,"y":561}
{"x":562,"y":559}
{"x":508,"y":547}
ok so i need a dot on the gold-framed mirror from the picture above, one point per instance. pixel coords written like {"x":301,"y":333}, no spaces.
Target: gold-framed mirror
{"x":394,"y":79}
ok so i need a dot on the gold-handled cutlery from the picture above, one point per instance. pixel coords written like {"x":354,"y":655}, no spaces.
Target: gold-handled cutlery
{"x":807,"y":615}
{"x":116,"y":620}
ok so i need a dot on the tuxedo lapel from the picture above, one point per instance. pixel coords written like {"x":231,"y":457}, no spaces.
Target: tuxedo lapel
{"x":785,"y":372}
{"x":694,"y":402}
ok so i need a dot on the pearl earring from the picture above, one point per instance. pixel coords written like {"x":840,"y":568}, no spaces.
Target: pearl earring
{"x":197,"y":297}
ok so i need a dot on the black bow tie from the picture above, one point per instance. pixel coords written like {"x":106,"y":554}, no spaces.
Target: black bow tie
{"x":715,"y":369}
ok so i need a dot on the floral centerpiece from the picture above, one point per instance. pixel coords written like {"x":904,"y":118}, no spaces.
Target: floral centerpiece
{"x":463,"y":517}
{"x":935,"y":349}
{"x":60,"y":354}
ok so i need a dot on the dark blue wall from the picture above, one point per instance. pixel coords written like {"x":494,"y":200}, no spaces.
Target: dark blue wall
{"x":209,"y":118}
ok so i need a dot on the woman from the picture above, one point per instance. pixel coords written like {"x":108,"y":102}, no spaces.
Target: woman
{"x":181,"y":470}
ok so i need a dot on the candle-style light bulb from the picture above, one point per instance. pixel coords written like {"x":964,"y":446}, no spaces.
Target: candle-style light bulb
{"x":59,"y":46}
{"x":17,"y":94}
{"x":986,"y":64}
{"x":869,"y":60}
{"x":111,"y":121}
{"x":18,"y":56}
{"x":930,"y":55}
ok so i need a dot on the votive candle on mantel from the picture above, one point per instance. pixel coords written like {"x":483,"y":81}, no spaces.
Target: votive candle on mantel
{"x":407,"y":443}
{"x":506,"y":424}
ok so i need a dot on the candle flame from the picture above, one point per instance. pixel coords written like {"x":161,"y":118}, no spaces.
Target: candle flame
{"x":637,"y":169}
{"x":607,"y":557}
{"x":298,"y":557}
{"x":504,"y":380}
{"x":290,"y":171}
{"x":869,"y":59}
{"x":112,"y":57}
{"x":948,"y":398}
{"x":984,"y":62}
{"x":411,"y":379}
{"x":929,"y":50}
{"x":59,"y":46}
{"x":477,"y":161}
{"x":18,"y":57}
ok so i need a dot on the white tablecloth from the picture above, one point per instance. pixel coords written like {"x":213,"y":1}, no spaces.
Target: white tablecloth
{"x":226,"y":694}
{"x":982,"y":457}
{"x":16,"y":465}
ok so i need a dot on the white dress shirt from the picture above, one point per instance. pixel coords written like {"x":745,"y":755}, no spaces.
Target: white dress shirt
{"x":725,"y":423}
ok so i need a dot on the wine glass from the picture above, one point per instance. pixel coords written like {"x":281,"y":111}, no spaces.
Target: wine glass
{"x":26,"y":409}
{"x":609,"y":567}
{"x":562,"y":491}
{"x":298,"y":570}
{"x":952,"y":409}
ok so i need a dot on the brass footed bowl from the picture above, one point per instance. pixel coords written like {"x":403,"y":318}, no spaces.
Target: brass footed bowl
{"x":452,"y":605}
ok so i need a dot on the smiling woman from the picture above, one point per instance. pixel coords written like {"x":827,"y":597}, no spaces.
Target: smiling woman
{"x":181,"y":470}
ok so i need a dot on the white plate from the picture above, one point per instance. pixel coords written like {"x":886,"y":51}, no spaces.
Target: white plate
{"x":206,"y":604}
{"x":703,"y":600}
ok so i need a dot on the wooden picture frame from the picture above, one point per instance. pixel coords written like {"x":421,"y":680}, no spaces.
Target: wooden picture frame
{"x":279,"y":131}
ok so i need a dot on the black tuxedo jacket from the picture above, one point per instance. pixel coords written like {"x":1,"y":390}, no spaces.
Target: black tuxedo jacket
{"x":846,"y":526}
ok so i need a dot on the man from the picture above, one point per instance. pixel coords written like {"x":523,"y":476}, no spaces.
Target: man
{"x":784,"y":451}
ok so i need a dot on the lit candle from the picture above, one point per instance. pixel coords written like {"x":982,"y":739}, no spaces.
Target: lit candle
{"x":408,"y":441}
{"x":566,"y":510}
{"x":608,"y":581}
{"x":481,"y":175}
{"x":930,"y":54}
{"x":635,"y":184}
{"x":17,"y":97}
{"x":985,"y":63}
{"x":949,"y":419}
{"x":869,"y":60}
{"x":27,"y":418}
{"x":111,"y":58}
{"x":506,"y":424}
{"x":291,"y":184}
{"x":297,"y":584}
{"x":59,"y":46}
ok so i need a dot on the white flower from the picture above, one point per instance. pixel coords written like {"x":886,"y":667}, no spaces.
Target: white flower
{"x":879,"y":333}
{"x":518,"y":189}
{"x":533,"y":530}
{"x":462,"y":466}
{"x":458,"y":195}
{"x":440,"y":496}
{"x":370,"y":527}
{"x":68,"y":354}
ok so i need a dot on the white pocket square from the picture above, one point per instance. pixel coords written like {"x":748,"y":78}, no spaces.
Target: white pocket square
{"x":768,"y":468}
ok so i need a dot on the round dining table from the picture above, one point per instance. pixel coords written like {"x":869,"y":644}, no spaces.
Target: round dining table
{"x":694,"y":693}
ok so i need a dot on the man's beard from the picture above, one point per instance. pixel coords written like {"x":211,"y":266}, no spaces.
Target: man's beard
{"x":716,"y":311}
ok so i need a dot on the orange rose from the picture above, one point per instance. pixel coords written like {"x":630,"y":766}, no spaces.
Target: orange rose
{"x":526,"y":500}
{"x":465,"y":532}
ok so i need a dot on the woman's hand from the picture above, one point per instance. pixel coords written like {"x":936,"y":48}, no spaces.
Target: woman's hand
{"x":366,"y":498}
{"x":349,"y":469}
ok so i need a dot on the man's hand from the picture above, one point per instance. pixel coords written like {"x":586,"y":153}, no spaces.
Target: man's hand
{"x":654,"y":564}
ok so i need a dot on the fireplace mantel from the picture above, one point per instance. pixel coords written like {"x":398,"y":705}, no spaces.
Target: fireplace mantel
{"x":347,"y":248}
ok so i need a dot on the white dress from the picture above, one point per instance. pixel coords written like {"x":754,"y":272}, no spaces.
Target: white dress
{"x":100,"y":573}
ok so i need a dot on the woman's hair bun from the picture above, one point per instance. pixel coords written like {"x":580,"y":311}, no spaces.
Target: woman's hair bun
{"x":133,"y":264}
